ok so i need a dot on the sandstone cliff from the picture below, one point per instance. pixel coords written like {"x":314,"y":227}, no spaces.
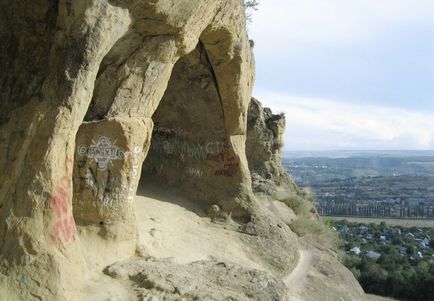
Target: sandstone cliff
{"x":264,"y":150}
{"x":99,"y":98}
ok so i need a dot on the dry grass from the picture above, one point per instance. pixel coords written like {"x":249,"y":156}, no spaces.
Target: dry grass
{"x":301,"y":202}
{"x":306,"y":223}
{"x":317,"y":230}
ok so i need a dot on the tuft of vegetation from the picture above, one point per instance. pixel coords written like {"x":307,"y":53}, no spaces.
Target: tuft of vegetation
{"x":301,"y":203}
{"x":298,"y":204}
{"x":317,"y":230}
{"x":307,"y":223}
{"x":250,"y":5}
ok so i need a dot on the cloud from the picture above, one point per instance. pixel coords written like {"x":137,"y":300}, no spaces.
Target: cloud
{"x":362,"y":71}
{"x":321,"y":124}
{"x":378,"y":50}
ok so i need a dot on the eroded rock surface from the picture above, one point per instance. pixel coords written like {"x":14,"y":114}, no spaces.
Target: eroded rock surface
{"x":264,"y":150}
{"x":201,"y":280}
{"x":91,"y":92}
{"x":75,"y":74}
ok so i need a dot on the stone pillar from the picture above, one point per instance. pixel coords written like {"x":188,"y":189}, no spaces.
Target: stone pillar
{"x":108,"y":162}
{"x":38,"y":228}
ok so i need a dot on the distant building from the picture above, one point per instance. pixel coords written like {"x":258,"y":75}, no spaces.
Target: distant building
{"x":410,"y":235}
{"x":356,"y":250}
{"x":373,"y":255}
{"x":396,"y":230}
{"x":424,"y":243}
{"x":402,"y":250}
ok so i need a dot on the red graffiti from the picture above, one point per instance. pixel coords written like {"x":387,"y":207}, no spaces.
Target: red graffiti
{"x":64,"y":228}
{"x":60,"y":202}
{"x":222,"y":156}
{"x":229,"y":168}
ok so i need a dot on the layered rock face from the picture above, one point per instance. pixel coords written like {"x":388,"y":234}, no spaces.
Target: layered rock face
{"x":264,"y":151}
{"x":81,"y":82}
{"x":98,"y":96}
{"x":265,"y":141}
{"x":190,"y":147}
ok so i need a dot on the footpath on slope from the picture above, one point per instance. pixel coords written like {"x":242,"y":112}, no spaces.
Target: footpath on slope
{"x":296,"y":281}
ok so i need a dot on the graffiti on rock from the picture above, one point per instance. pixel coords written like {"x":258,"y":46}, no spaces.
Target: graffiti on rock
{"x":112,"y":190}
{"x":230,"y":168}
{"x":194,"y":172}
{"x":179,"y":132}
{"x":103,"y":152}
{"x":134,"y":160}
{"x":106,"y":191}
{"x":186,"y":150}
{"x":60,"y":202}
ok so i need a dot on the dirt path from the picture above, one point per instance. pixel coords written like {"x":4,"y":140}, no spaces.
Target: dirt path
{"x":295,"y":281}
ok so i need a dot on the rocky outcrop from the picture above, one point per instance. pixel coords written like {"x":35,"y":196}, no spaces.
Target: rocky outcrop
{"x":80,"y":83}
{"x":265,"y":141}
{"x":101,"y":97}
{"x":201,"y":280}
{"x":264,"y":151}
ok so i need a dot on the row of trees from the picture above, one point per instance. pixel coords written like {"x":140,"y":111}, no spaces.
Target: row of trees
{"x":365,"y":210}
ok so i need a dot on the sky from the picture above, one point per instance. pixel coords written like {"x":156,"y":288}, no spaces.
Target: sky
{"x":348,"y":74}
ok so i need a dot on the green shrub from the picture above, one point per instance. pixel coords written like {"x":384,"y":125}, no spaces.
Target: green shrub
{"x":329,"y":222}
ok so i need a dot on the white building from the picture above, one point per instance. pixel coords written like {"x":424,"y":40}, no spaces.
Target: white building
{"x":356,"y":250}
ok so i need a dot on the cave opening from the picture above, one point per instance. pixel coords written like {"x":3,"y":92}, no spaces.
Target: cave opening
{"x":188,"y":144}
{"x":158,"y":124}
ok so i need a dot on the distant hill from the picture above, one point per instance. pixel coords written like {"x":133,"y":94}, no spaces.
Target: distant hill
{"x":358,"y":153}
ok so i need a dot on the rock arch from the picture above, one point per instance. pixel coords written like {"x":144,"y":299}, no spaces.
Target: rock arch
{"x":191,"y":147}
{"x":131,"y":82}
{"x":116,"y":58}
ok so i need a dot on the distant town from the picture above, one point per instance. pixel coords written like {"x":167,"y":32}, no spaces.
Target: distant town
{"x":374,"y":185}
{"x":380,"y":205}
{"x":388,"y":260}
